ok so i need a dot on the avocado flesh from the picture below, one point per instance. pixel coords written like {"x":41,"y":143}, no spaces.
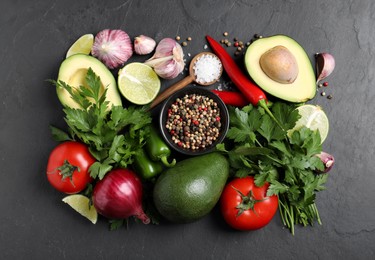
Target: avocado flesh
{"x":73,"y":72}
{"x":301,"y":89}
{"x":190,"y":190}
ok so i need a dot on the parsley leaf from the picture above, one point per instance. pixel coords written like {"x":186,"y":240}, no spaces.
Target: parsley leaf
{"x":262,"y":147}
{"x":112,"y":133}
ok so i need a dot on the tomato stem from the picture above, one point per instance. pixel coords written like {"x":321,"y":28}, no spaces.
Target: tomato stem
{"x":66,"y":170}
{"x":248,"y":202}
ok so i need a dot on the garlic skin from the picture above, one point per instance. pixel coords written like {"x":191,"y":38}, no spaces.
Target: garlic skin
{"x":112,"y":47}
{"x":328,"y":161}
{"x":168,"y":59}
{"x":143,"y":45}
{"x":325,"y":64}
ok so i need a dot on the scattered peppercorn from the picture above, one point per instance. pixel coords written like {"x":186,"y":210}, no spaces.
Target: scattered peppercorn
{"x":320,"y":85}
{"x":188,"y":38}
{"x":323,"y":93}
{"x":330,"y":96}
{"x":237,"y":53}
{"x":184,"y":44}
{"x":225,"y":33}
{"x":325,"y":84}
{"x":229,"y":44}
{"x":178,"y":38}
{"x":239,"y":49}
{"x":236,"y":44}
{"x":194,"y":122}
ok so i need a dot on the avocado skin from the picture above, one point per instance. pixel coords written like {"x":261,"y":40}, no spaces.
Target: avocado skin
{"x":191,"y":189}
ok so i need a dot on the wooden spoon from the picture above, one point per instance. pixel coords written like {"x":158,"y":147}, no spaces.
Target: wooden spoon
{"x":186,"y":81}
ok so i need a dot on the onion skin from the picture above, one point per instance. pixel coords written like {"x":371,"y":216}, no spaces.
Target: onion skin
{"x":119,"y":196}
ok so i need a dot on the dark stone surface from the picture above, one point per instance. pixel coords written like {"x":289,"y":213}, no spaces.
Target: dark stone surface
{"x":34,"y":36}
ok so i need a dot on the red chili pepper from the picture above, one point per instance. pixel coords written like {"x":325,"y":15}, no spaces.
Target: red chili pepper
{"x":251,"y":91}
{"x":231,"y":98}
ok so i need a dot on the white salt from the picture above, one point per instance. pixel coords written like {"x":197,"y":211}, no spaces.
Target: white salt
{"x":207,"y":69}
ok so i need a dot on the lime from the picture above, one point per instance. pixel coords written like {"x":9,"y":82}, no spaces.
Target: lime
{"x":138,"y":83}
{"x":82,"y":45}
{"x":81,"y":204}
{"x":313,"y":117}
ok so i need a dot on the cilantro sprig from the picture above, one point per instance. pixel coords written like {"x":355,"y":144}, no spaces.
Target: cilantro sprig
{"x":112,"y":133}
{"x":262,"y":147}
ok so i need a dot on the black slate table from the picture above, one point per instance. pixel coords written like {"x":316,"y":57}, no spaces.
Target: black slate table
{"x":34,"y":36}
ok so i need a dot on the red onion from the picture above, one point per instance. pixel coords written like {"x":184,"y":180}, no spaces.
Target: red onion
{"x":119,"y":196}
{"x":328,"y":161}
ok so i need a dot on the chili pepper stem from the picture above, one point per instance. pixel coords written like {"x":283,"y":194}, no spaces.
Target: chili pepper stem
{"x":164,"y":160}
{"x":263,"y":103}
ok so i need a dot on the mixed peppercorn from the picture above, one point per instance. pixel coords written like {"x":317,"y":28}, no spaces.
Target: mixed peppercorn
{"x":194,"y":121}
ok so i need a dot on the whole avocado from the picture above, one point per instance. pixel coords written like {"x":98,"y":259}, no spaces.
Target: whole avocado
{"x":191,"y":189}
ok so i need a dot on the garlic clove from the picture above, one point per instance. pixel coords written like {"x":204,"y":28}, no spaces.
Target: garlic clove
{"x":328,"y":160}
{"x":143,"y":45}
{"x":168,"y":59}
{"x":112,"y":47}
{"x":325,"y":64}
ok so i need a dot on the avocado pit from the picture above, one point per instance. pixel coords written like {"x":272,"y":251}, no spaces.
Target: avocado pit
{"x":279,"y":64}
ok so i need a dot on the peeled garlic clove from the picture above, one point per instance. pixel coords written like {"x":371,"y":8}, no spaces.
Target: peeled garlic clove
{"x":143,"y":45}
{"x":325,"y":64}
{"x":168,"y":59}
{"x":112,"y":47}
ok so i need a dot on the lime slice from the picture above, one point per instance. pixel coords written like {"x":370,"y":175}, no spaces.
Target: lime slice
{"x":81,"y":204}
{"x":313,"y":117}
{"x":82,"y":45}
{"x":138,"y":83}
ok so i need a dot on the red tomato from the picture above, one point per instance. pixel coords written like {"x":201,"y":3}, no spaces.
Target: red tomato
{"x":245,"y":206}
{"x":67,"y":168}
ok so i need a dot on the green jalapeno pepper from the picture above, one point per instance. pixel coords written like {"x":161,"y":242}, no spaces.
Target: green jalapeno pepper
{"x":157,"y":149}
{"x":145,"y":167}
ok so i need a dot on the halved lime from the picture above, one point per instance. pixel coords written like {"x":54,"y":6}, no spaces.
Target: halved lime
{"x":313,"y":117}
{"x":81,"y":204}
{"x":138,"y":83}
{"x":83,"y":45}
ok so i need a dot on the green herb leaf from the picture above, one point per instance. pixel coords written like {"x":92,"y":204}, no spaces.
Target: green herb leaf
{"x":59,"y":135}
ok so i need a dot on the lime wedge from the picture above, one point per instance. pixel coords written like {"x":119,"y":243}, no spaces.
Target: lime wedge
{"x":313,"y":117}
{"x":81,"y":204}
{"x":83,"y":45}
{"x":138,"y":83}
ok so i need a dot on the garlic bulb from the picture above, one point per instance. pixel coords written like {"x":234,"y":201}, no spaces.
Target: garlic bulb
{"x":112,"y":47}
{"x":143,"y":45}
{"x":168,"y":59}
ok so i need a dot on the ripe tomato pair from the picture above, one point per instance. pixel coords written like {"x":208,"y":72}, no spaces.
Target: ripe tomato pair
{"x":68,"y":167}
{"x":245,"y":206}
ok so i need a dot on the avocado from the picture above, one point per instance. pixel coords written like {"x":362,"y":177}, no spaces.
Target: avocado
{"x":281,"y":67}
{"x":190,"y":190}
{"x":73,"y":72}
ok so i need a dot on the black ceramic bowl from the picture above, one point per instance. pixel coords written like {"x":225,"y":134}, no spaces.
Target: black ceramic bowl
{"x":224,"y":120}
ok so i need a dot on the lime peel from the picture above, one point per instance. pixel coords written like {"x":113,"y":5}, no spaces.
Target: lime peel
{"x":81,"y":204}
{"x":138,"y":83}
{"x":83,"y":45}
{"x":314,"y":118}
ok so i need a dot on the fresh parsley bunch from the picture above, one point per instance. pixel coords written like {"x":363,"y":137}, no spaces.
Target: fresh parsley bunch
{"x":113,"y":134}
{"x":266,"y":148}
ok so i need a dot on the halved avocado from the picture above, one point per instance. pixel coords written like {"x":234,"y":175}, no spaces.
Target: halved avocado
{"x":281,"y":67}
{"x":73,"y":71}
